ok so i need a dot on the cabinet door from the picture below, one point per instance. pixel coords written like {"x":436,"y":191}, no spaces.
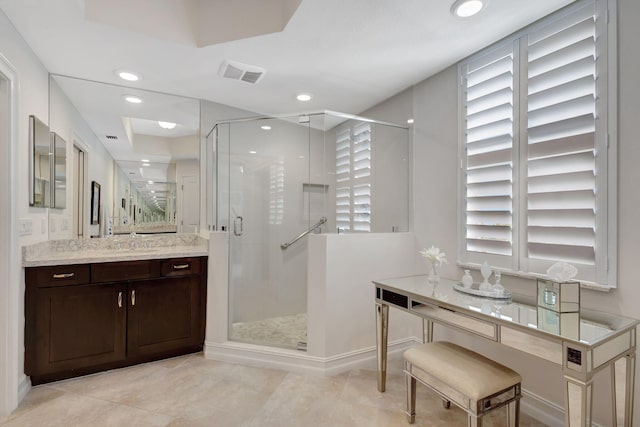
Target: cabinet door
{"x":79,"y":326}
{"x":164,"y":315}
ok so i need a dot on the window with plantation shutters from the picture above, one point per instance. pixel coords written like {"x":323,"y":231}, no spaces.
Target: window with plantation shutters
{"x":353,"y":178}
{"x":538,"y":157}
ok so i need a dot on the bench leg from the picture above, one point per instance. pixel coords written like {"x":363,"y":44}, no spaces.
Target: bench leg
{"x":411,"y":398}
{"x":473,"y":421}
{"x":513,"y":413}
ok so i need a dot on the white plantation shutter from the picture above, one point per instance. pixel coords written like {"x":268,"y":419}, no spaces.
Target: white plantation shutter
{"x":488,"y":144}
{"x":561,"y":149}
{"x":353,"y":178}
{"x":534,"y":139}
{"x":343,"y":175}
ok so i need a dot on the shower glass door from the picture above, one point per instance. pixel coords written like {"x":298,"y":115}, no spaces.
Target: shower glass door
{"x":274,"y":191}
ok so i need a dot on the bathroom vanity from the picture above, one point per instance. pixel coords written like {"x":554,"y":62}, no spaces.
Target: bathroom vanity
{"x":144,"y":304}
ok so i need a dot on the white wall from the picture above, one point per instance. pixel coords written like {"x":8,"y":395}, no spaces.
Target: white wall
{"x":341,"y":294}
{"x":32,"y":87}
{"x":435,"y":162}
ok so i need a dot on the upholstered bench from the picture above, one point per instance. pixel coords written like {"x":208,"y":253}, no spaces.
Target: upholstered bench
{"x":471,"y":381}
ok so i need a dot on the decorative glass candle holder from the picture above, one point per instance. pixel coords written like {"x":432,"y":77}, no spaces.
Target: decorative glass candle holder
{"x":559,"y":307}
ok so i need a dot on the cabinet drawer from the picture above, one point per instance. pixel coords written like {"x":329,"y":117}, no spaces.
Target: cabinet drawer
{"x":58,"y":275}
{"x":125,"y":270}
{"x":448,"y":317}
{"x":180,"y":266}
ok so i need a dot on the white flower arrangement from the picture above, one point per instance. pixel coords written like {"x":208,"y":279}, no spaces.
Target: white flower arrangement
{"x":434,"y":256}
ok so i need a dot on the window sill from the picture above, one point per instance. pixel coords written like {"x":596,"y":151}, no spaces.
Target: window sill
{"x":532,"y":276}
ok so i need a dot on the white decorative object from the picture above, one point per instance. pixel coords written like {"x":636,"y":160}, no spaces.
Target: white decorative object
{"x":497,"y":286}
{"x":474,"y":290}
{"x":485,"y":270}
{"x":435,"y":258}
{"x":467,"y":280}
{"x":562,"y":272}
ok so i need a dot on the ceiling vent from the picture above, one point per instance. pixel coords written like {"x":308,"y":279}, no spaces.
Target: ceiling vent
{"x":238,"y":71}
{"x":111,"y":137}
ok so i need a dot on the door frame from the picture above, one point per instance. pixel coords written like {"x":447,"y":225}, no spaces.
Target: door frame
{"x":11,"y":282}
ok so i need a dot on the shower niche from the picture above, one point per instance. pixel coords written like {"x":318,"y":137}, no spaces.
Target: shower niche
{"x":277,"y":180}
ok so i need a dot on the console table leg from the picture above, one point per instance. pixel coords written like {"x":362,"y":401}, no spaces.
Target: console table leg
{"x":622,"y":384}
{"x":427,"y":331}
{"x":578,"y":398}
{"x":382,"y":335}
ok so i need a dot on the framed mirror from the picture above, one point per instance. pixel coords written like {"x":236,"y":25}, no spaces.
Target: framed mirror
{"x":59,"y":178}
{"x":40,"y":161}
{"x":95,"y":203}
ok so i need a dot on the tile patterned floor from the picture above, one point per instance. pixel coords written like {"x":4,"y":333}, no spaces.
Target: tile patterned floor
{"x":283,"y":331}
{"x":193,"y":391}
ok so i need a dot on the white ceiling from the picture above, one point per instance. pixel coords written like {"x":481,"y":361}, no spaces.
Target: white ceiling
{"x":350,"y":54}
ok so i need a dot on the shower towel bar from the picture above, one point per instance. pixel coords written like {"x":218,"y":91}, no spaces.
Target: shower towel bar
{"x":304,"y":233}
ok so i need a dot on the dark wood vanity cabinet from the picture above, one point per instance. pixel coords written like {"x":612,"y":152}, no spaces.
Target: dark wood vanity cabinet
{"x":90,"y":317}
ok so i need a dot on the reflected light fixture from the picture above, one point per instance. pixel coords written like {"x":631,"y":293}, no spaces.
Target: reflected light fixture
{"x":150,"y":182}
{"x":265,"y":127}
{"x":127,"y":75}
{"x":252,"y":152}
{"x":133,"y":99}
{"x":304,"y":97}
{"x":166,"y":125}
{"x":467,"y":8}
{"x":410,"y":121}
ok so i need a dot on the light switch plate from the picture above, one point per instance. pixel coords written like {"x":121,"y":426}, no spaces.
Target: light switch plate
{"x":26,"y":227}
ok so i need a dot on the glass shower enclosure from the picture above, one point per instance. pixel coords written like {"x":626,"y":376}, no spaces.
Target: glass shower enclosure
{"x":277,"y":180}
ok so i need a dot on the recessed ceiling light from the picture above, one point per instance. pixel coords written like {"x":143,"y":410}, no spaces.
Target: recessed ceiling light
{"x":265,"y":127}
{"x":153,"y":191}
{"x":150,"y":182}
{"x":144,"y":160}
{"x":304,"y":97}
{"x":127,"y":75}
{"x":166,"y":125}
{"x":410,"y":121}
{"x":252,"y":152}
{"x":466,"y":8}
{"x":133,"y":99}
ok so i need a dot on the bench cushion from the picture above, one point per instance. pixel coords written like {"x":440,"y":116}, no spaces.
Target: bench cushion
{"x":468,"y":372}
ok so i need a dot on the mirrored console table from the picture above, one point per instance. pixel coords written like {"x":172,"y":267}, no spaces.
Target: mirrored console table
{"x":604,"y":341}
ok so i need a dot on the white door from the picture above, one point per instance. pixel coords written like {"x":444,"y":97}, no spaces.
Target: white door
{"x":190,"y":209}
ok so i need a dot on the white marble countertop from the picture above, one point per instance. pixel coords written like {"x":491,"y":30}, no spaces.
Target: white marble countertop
{"x":112,"y":249}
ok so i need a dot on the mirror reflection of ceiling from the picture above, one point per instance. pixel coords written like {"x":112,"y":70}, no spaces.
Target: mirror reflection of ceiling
{"x":131,"y":132}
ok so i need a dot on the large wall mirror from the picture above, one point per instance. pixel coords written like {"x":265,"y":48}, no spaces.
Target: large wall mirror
{"x":142,"y":147}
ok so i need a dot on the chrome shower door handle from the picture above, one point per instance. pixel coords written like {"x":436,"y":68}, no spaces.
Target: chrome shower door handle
{"x":237,"y":231}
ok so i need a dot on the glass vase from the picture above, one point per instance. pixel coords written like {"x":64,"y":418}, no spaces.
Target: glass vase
{"x":434,"y":272}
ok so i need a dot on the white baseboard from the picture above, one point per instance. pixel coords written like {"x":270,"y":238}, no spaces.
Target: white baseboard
{"x":542,"y":409}
{"x":298,"y":361}
{"x":23,"y":387}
